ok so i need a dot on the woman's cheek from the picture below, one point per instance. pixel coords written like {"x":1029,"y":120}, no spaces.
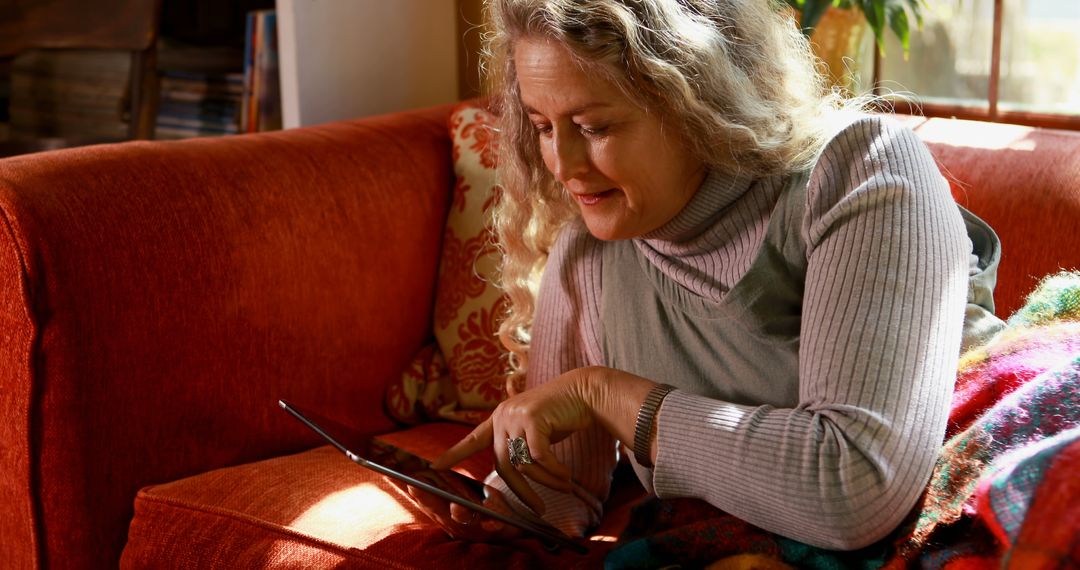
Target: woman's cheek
{"x":545,"y":155}
{"x":609,"y":160}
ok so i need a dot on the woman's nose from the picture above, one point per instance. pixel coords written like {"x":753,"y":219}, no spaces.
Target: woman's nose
{"x":570,"y":158}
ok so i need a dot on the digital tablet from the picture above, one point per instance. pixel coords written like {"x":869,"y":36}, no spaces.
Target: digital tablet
{"x":417,"y":472}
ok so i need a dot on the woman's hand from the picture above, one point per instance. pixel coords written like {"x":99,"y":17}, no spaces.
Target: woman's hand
{"x":543,"y":415}
{"x":547,"y":414}
{"x":463,"y":523}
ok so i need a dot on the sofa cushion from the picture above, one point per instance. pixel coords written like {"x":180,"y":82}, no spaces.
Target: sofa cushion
{"x":461,"y":376}
{"x":314,"y":509}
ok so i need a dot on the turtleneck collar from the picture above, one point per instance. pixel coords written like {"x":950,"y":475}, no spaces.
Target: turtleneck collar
{"x":717,"y":192}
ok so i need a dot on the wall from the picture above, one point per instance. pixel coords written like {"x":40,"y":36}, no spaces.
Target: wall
{"x":470,"y":21}
{"x":348,"y":58}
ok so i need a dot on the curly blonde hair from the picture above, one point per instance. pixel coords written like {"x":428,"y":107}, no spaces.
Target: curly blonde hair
{"x":735,"y":76}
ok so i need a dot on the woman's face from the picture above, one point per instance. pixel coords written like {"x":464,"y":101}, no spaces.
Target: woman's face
{"x":627,"y":172}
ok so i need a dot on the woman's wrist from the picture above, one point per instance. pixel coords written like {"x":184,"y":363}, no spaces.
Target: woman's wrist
{"x":615,"y":398}
{"x":645,"y":446}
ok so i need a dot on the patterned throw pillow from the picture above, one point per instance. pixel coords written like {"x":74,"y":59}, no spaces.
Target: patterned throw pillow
{"x":462,"y":376}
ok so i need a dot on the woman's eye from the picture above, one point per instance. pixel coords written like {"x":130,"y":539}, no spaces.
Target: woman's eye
{"x":592,"y":131}
{"x":542,"y":129}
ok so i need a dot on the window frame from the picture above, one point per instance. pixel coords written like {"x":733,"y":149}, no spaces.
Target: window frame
{"x":990,"y":112}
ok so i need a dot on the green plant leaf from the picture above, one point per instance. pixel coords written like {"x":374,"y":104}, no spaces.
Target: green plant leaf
{"x":812,"y":11}
{"x":897,"y":15}
{"x":874,"y":11}
{"x":898,"y":21}
{"x":916,"y":7}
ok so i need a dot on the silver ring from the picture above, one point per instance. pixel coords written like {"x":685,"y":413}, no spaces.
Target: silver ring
{"x":519,"y":451}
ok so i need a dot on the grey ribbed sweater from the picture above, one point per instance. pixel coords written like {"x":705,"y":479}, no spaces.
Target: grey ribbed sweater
{"x":883,"y":307}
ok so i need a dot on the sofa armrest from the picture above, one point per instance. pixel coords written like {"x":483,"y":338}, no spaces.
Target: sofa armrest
{"x":1023,"y":182}
{"x":158,"y":298}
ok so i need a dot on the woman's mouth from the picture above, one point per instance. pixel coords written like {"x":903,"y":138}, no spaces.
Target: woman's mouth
{"x":594,"y":198}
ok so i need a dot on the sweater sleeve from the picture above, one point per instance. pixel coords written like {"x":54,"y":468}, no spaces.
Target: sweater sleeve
{"x":565,"y":336}
{"x":881,"y":325}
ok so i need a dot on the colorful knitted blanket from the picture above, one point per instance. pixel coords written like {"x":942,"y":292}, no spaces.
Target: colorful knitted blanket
{"x":1004,"y":492}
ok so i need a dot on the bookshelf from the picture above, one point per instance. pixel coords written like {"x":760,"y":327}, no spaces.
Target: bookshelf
{"x":338,"y":59}
{"x":78,"y":96}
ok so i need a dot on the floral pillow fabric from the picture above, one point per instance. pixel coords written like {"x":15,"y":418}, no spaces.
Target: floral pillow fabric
{"x":462,"y":376}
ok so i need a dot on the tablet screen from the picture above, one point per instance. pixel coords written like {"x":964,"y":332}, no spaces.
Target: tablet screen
{"x":415,"y":471}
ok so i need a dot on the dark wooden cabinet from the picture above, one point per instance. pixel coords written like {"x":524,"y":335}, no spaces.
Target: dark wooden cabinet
{"x":31,"y":102}
{"x":208,"y":22}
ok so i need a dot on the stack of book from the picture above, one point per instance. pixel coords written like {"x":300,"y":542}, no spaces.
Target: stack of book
{"x":73,"y":94}
{"x":218,"y":91}
{"x":201,"y":91}
{"x":262,"y":78}
{"x":198,"y":104}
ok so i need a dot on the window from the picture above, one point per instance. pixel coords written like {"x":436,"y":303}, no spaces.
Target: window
{"x":1000,"y":60}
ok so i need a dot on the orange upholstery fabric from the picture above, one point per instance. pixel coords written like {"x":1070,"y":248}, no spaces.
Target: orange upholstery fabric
{"x":159,"y":297}
{"x":19,"y":536}
{"x":307,"y":510}
{"x":311,"y":510}
{"x":1025,"y":183}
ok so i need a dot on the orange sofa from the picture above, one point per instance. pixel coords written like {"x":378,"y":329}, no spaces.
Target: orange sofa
{"x":158,"y":299}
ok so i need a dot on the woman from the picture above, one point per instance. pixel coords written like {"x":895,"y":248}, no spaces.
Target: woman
{"x":760,"y":294}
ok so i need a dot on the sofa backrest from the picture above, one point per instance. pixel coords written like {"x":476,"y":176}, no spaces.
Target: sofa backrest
{"x":1025,"y":183}
{"x":157,"y":298}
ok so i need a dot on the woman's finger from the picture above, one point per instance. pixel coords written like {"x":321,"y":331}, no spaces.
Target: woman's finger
{"x":435,"y":507}
{"x":497,"y":503}
{"x":543,"y":456}
{"x":478,"y":440}
{"x":480,"y":525}
{"x":462,"y":514}
{"x":459,"y":522}
{"x":545,"y":478}
{"x":543,"y":468}
{"x":516,"y":481}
